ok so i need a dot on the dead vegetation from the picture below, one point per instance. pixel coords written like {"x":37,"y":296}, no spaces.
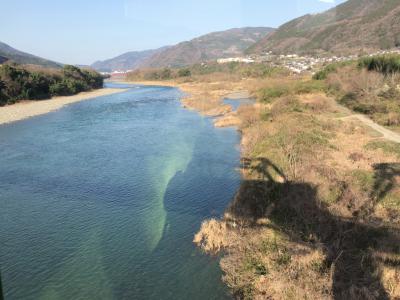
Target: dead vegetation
{"x":318,"y":212}
{"x":368,"y":92}
{"x":228,"y":120}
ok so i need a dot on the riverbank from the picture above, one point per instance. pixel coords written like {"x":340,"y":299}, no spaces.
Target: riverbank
{"x":207,"y":97}
{"x":27,"y":109}
{"x":319,"y":198}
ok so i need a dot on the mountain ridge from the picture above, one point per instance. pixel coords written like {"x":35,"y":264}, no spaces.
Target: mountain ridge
{"x":350,"y":27}
{"x":9,"y":53}
{"x":126,"y":61}
{"x":214,"y":45}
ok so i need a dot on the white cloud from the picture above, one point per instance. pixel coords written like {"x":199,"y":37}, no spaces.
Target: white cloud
{"x":327,"y":1}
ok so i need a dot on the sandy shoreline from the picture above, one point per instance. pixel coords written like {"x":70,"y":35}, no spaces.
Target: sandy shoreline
{"x":27,"y":109}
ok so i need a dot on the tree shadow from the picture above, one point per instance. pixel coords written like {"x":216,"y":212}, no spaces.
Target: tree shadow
{"x":350,"y":244}
{"x":385,"y":179}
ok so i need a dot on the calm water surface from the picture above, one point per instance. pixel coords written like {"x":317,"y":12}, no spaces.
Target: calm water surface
{"x":100,"y":200}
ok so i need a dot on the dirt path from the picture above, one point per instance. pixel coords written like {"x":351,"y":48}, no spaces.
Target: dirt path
{"x":387,"y":133}
{"x":345,"y":114}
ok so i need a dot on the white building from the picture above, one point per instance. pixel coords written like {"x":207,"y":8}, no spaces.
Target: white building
{"x":236,"y":59}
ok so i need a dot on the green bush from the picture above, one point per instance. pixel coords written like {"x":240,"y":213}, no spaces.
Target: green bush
{"x":184,"y":72}
{"x":59,"y":89}
{"x":385,"y":64}
{"x":267,"y":95}
{"x":166,"y":74}
{"x":307,"y":87}
{"x":163,"y":74}
{"x":18,"y":83}
{"x":37,"y":86}
{"x":331,"y":68}
{"x":323,"y":74}
{"x":3,"y":98}
{"x":93,"y":79}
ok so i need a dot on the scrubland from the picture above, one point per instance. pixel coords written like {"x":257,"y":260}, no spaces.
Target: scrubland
{"x":317,"y":215}
{"x":369,"y":86}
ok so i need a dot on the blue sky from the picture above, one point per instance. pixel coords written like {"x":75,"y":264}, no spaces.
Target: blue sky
{"x":82,"y":31}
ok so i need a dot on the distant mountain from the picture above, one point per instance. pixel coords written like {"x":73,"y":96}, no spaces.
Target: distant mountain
{"x":215,"y":45}
{"x":211,"y":46}
{"x":351,"y":26}
{"x":9,"y":53}
{"x":127,"y":61}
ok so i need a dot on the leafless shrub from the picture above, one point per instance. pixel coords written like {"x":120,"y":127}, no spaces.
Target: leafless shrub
{"x":249,"y":115}
{"x":356,"y":156}
{"x":317,"y":103}
{"x":361,"y":82}
{"x":393,"y":119}
{"x":284,"y":105}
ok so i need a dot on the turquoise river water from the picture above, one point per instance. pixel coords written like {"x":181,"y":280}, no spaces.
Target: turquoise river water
{"x":101,"y":199}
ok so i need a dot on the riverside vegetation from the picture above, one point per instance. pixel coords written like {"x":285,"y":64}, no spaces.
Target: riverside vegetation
{"x":318,"y":211}
{"x":369,"y":86}
{"x":35,"y":83}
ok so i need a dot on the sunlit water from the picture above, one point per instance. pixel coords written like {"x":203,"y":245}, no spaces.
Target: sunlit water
{"x":101,"y":199}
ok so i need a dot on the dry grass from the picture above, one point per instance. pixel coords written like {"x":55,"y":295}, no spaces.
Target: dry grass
{"x":318,"y":212}
{"x":350,"y":80}
{"x":310,"y":217}
{"x":249,"y":115}
{"x":205,"y":93}
{"x":229,"y":120}
{"x":369,"y":93}
{"x":206,"y":97}
{"x":214,"y":236}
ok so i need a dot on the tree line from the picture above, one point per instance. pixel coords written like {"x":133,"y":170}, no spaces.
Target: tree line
{"x":23,"y":83}
{"x":256,"y":70}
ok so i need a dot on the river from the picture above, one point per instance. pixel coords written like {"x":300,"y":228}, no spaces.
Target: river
{"x":101,"y":199}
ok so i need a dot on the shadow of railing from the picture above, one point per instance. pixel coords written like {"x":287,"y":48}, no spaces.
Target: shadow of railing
{"x":295,"y":208}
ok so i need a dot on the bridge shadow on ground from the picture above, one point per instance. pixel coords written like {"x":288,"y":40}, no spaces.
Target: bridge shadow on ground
{"x":354,"y":247}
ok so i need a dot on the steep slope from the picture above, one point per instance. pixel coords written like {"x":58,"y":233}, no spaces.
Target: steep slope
{"x":3,"y":59}
{"x":215,"y":45}
{"x":127,"y":61}
{"x":24,"y":58}
{"x":352,"y":26}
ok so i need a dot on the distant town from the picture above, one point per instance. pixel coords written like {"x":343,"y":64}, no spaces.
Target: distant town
{"x":300,"y":64}
{"x":295,"y":63}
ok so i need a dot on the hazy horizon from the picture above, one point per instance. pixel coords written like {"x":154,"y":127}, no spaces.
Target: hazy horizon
{"x":80,"y":32}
